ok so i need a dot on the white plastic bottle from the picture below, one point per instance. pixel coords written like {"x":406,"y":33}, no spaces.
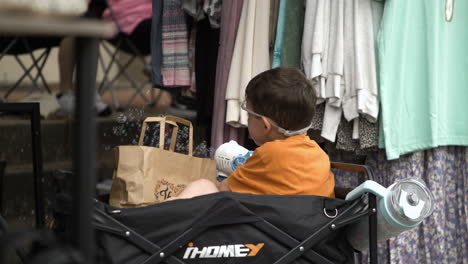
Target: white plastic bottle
{"x":402,"y":206}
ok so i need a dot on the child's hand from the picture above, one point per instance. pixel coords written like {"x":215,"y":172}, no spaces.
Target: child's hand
{"x":224,"y":186}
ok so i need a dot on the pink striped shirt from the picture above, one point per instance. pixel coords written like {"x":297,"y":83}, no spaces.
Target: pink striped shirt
{"x":129,"y":13}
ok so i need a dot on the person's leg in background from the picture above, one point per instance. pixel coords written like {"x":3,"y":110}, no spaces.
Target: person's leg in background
{"x":66,"y":61}
{"x":66,"y":96}
{"x":66,"y":64}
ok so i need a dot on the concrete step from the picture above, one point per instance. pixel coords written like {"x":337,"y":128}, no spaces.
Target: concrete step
{"x":121,"y":128}
{"x":17,"y":192}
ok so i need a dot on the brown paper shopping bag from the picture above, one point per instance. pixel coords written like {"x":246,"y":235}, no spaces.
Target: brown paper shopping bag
{"x":147,"y":175}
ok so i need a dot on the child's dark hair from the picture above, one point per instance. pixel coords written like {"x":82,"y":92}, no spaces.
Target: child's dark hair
{"x":284,"y":95}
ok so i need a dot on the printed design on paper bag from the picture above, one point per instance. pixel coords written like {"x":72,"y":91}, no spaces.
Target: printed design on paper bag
{"x":165,"y":189}
{"x":222,"y":251}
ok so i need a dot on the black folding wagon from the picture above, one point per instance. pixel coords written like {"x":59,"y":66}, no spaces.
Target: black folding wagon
{"x":234,"y":228}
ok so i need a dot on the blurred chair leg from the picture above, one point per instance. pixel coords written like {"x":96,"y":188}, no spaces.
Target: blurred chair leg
{"x":105,"y":83}
{"x":37,"y":66}
{"x":17,"y":83}
{"x":8,"y":47}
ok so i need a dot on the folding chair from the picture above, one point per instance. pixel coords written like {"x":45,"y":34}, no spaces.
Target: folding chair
{"x":16,"y":46}
{"x":231,"y":227}
{"x":123,"y":43}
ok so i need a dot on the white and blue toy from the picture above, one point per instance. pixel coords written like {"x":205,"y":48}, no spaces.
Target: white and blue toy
{"x":230,"y":156}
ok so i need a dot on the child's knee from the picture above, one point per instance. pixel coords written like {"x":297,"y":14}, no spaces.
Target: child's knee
{"x":204,"y":185}
{"x":203,"y":182}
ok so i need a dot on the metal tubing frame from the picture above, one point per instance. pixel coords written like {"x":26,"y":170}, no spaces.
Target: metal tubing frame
{"x":8,"y":47}
{"x":373,"y":208}
{"x":122,"y":72}
{"x":37,"y":63}
{"x":32,"y":109}
{"x":25,"y":74}
{"x":2,"y":175}
{"x":373,"y":228}
{"x":368,"y":173}
{"x":38,"y":67}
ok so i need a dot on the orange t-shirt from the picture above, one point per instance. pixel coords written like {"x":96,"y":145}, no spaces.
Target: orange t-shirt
{"x":293,"y":166}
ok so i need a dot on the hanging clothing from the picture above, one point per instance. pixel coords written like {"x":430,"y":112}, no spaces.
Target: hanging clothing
{"x":287,"y":52}
{"x":175,"y":38}
{"x":423,"y":79}
{"x":339,"y":57}
{"x":334,"y":87}
{"x":368,"y":136}
{"x":279,"y":34}
{"x":193,"y":8}
{"x":443,"y":236}
{"x":274,"y":9}
{"x":220,"y":132}
{"x":191,"y":92}
{"x":156,"y":45}
{"x":350,"y":107}
{"x":213,"y":10}
{"x":368,"y":133}
{"x":198,"y":8}
{"x":315,"y":44}
{"x":365,"y":62}
{"x":250,"y":57}
{"x":205,"y":59}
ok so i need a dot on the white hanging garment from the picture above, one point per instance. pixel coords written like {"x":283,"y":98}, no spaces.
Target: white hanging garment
{"x":365,"y":65}
{"x":251,"y":57}
{"x":350,"y":110}
{"x":311,"y":12}
{"x":335,"y":68}
{"x":315,"y":44}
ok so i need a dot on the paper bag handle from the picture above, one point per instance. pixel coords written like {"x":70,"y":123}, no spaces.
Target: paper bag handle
{"x":173,"y":120}
{"x":186,"y":123}
{"x":162,"y":121}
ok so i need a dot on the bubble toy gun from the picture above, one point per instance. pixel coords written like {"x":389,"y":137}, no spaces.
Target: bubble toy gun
{"x":230,"y":156}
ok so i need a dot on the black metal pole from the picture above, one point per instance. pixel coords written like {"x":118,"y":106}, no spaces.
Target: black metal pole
{"x":85,"y":145}
{"x":37,"y":165}
{"x":2,"y":176}
{"x":373,"y":228}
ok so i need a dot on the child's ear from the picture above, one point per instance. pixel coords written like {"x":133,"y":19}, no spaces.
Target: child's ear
{"x":266,"y":124}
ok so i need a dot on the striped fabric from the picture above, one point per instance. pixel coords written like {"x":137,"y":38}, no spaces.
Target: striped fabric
{"x":175,"y":39}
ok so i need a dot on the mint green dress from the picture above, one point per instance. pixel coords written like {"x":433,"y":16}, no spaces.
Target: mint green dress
{"x":423,"y":76}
